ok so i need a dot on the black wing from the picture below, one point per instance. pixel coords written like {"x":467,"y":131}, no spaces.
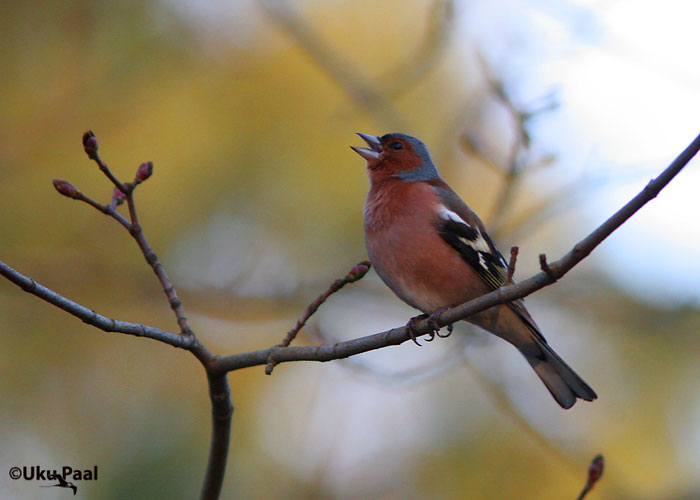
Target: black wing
{"x":474,"y":246}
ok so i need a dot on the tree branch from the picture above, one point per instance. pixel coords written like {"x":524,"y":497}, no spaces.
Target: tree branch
{"x":503,"y":295}
{"x":221,"y":416}
{"x":157,"y":267}
{"x":219,"y":393}
{"x":355,"y":274}
{"x":91,"y":317}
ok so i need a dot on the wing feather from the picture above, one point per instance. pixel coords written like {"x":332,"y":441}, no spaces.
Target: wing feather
{"x":462,"y":229}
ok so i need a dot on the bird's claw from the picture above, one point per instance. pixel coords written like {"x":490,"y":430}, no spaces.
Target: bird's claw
{"x":433,"y":322}
{"x":410,"y":326}
{"x":450,"y":327}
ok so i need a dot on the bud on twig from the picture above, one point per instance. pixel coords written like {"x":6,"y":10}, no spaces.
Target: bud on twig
{"x":90,"y":144}
{"x":144,"y":172}
{"x":358,"y":271}
{"x":118,"y":197}
{"x":595,"y":470}
{"x":66,"y":189}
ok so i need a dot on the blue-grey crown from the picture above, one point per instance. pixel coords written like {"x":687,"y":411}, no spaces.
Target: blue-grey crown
{"x":427,"y":169}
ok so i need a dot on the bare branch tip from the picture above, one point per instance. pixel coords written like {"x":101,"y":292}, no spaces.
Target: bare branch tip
{"x":271,"y":363}
{"x":355,"y":274}
{"x":511,"y":265}
{"x":544,"y":265}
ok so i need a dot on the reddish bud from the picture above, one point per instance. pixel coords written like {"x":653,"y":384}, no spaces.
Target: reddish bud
{"x":144,"y":172}
{"x":358,"y":271}
{"x":118,"y":197}
{"x":90,"y":144}
{"x":66,"y":188}
{"x":595,"y":470}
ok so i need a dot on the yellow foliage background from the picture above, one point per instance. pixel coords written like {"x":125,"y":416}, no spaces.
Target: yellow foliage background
{"x":254,"y":207}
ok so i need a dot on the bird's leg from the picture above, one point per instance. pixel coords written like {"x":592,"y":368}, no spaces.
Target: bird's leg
{"x":411,"y":328}
{"x":435,"y":325}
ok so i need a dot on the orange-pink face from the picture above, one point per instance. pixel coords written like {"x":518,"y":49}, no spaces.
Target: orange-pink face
{"x":389,"y":154}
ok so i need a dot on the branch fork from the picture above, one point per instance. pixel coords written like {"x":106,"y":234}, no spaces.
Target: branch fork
{"x":219,"y":392}
{"x":355,"y":274}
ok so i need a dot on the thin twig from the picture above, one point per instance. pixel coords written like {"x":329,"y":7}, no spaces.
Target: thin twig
{"x":511,"y":264}
{"x":90,"y":147}
{"x":355,"y":274}
{"x":125,"y":191}
{"x":519,"y":151}
{"x":88,"y":315}
{"x":595,"y":472}
{"x":519,"y":147}
{"x":158,"y":269}
{"x":545,"y":267}
{"x":67,"y":189}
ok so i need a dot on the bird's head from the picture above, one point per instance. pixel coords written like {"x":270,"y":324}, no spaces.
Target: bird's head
{"x":397,"y":155}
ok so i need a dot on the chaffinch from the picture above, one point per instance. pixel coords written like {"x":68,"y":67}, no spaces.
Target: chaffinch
{"x":433,"y":252}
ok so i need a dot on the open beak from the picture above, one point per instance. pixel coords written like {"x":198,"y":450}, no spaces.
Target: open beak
{"x":374,"y":150}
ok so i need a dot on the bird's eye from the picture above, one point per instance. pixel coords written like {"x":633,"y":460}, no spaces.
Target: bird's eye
{"x":396,"y":145}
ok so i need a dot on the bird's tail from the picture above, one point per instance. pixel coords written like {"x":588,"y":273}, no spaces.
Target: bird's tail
{"x":563,"y":382}
{"x":514,"y":324}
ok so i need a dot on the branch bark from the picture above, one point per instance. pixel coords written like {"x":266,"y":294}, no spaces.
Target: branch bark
{"x":221,"y":416}
{"x":219,"y":393}
{"x":91,"y":317}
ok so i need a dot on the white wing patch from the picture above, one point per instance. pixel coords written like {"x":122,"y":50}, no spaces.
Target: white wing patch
{"x":450,"y":215}
{"x":478,"y":243}
{"x":482,"y":261}
{"x":473,"y":244}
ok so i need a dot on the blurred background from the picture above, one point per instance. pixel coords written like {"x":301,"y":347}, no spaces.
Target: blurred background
{"x":546,"y":116}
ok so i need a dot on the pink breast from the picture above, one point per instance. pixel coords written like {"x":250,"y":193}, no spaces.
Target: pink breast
{"x":408,"y":253}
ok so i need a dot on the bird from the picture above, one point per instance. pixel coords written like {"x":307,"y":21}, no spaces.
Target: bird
{"x":433,"y":252}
